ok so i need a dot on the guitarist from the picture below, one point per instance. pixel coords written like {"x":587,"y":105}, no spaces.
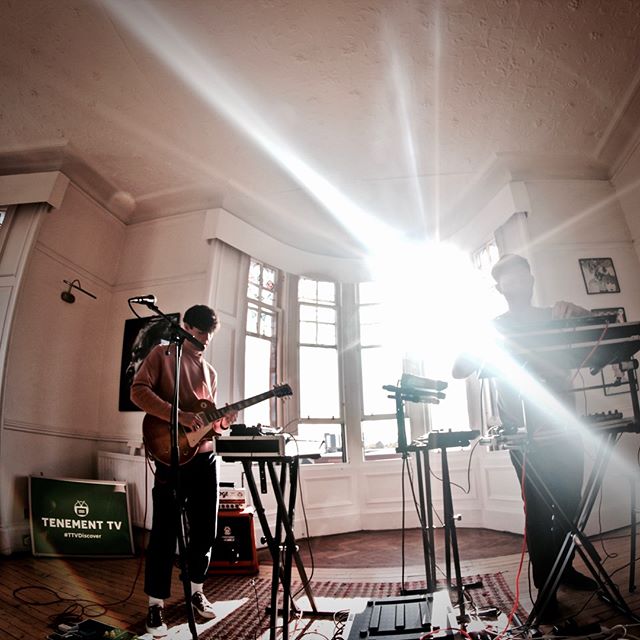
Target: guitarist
{"x":152,"y":390}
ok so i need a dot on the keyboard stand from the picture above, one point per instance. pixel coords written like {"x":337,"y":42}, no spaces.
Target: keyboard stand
{"x":579,"y":344}
{"x":587,"y":551}
{"x":282,"y":536}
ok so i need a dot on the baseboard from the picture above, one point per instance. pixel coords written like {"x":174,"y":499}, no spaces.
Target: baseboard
{"x":12,"y":538}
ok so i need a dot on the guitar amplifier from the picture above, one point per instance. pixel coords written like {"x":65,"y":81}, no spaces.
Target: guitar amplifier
{"x":232,"y":499}
{"x":250,"y":446}
{"x":234,"y":551}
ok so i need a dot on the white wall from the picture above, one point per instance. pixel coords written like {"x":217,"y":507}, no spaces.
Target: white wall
{"x":568,"y":220}
{"x":170,"y":259}
{"x":51,"y":421}
{"x":626,"y":181}
{"x":64,"y":360}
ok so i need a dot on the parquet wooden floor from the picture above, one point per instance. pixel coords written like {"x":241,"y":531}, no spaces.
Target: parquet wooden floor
{"x":363,"y":556}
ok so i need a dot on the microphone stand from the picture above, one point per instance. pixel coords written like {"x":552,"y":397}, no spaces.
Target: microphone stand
{"x":177,"y":338}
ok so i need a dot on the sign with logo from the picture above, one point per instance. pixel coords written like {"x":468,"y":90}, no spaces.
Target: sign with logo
{"x":79,"y":517}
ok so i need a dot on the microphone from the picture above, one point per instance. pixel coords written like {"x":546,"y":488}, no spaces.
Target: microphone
{"x":150,"y":299}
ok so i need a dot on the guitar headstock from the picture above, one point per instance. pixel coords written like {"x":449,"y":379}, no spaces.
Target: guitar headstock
{"x":282,"y":390}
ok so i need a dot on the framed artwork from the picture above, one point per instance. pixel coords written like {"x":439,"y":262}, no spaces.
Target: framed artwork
{"x":140,"y":336}
{"x":619,"y":313}
{"x":599,"y":275}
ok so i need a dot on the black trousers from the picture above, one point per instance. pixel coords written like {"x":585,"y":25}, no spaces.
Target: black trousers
{"x":561,"y":467}
{"x":199,"y":491}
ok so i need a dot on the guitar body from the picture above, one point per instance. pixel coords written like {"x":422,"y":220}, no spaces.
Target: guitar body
{"x":156,"y":434}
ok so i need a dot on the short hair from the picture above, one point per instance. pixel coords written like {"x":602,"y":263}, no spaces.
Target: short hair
{"x":201,"y":317}
{"x":509,"y":262}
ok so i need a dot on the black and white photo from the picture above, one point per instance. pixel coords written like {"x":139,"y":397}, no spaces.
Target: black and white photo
{"x":599,"y":275}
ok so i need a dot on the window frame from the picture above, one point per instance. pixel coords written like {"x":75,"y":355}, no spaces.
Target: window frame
{"x":276,"y":312}
{"x":339,"y":420}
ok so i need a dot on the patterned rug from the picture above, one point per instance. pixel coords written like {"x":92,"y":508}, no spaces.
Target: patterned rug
{"x":245,"y":618}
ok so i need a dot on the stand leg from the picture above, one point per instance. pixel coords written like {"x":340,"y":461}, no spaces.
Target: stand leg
{"x":427,"y":551}
{"x":286,"y":552}
{"x":451,"y":534}
{"x":432,"y":542}
{"x":634,"y":531}
{"x":185,"y":574}
{"x":273,"y":545}
{"x":289,"y":535}
{"x":587,"y":551}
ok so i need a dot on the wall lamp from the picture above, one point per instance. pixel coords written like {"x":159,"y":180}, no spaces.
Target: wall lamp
{"x":67,"y":296}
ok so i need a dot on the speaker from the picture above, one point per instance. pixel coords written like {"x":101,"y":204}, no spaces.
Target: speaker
{"x":235,"y":549}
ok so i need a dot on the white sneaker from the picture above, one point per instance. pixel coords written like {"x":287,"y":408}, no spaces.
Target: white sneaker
{"x":202,"y":605}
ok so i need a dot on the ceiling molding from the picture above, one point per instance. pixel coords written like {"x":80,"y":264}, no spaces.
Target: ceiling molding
{"x":62,"y":157}
{"x":27,"y":188}
{"x":502,"y":168}
{"x":222,"y":225}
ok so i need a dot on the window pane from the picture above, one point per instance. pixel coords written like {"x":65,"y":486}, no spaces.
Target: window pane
{"x":267,"y":296}
{"x":257,"y":379}
{"x":370,"y":325}
{"x":452,"y":413}
{"x":327,"y":334}
{"x":254,"y":272}
{"x":266,"y":324}
{"x":325,"y":439}
{"x":253,"y":291}
{"x":326,"y":292}
{"x":370,"y":335}
{"x":370,"y":313}
{"x":379,"y":367}
{"x":308,"y":332}
{"x":268,"y":278}
{"x":308,"y":313}
{"x":319,"y":383}
{"x":307,"y":290}
{"x":252,"y":319}
{"x":326,"y":314}
{"x":380,"y":438}
{"x":368,"y":292}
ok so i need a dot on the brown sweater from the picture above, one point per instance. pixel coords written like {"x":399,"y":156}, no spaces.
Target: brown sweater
{"x":152,"y":387}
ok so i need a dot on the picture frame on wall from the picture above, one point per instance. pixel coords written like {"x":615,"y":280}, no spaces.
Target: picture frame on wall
{"x":618,"y":312}
{"x":140,"y":336}
{"x":599,"y":275}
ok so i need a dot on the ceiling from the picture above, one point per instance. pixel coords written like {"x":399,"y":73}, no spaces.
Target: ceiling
{"x":305,"y":117}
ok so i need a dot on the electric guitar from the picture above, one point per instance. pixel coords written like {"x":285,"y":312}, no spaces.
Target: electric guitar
{"x":156,"y":432}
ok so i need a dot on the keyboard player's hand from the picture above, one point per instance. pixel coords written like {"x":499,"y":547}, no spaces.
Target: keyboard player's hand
{"x":563,"y":309}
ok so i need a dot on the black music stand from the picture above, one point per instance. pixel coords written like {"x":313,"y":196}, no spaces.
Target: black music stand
{"x":443,"y":441}
{"x":424,"y":390}
{"x":419,"y":390}
{"x":282,"y":536}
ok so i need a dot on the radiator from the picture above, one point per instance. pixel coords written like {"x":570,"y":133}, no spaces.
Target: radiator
{"x":132,"y":470}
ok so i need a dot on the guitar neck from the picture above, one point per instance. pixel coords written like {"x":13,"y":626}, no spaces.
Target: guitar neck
{"x":216,"y":414}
